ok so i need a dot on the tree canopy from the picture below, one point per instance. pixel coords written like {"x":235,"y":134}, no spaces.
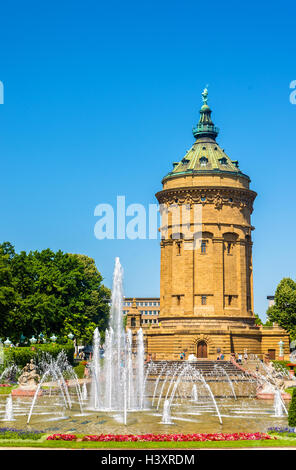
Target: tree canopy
{"x":283,"y":312}
{"x":50,"y":292}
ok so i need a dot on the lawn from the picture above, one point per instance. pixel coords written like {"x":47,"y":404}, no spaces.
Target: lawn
{"x":7,"y":390}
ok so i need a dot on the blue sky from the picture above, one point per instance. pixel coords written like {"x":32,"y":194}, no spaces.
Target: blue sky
{"x":100,"y":99}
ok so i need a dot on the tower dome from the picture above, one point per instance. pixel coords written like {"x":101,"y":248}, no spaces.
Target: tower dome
{"x":205,"y":156}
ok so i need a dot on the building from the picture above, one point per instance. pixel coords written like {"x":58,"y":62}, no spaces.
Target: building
{"x":206,"y":271}
{"x":270,"y":299}
{"x":145,"y":308}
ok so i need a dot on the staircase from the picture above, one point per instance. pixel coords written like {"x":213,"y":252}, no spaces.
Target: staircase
{"x":206,"y":367}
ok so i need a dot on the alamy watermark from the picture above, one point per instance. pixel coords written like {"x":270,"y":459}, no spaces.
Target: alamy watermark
{"x":1,"y":93}
{"x":293,"y":93}
{"x":135,"y":221}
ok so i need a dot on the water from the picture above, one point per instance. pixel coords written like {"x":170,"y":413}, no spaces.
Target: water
{"x":241,"y":415}
{"x":84,"y":392}
{"x":279,"y":406}
{"x":166,"y":415}
{"x":119,"y":385}
{"x":8,"y":416}
{"x":55,"y":369}
{"x":122,"y":392}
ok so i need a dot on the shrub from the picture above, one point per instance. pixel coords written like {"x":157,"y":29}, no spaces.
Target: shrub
{"x":22,"y":355}
{"x":292,"y":410}
{"x":279,"y":364}
{"x":79,"y":370}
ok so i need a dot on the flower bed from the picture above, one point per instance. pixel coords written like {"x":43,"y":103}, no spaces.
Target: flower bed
{"x":201,"y":437}
{"x":287,"y":431}
{"x":12,"y":433}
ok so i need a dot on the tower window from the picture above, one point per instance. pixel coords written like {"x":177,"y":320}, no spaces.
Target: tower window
{"x":203,"y":246}
{"x":223,"y":161}
{"x":203,"y":161}
{"x":204,"y":300}
{"x":229,"y":299}
{"x":178,"y":248}
{"x":229,"y":248}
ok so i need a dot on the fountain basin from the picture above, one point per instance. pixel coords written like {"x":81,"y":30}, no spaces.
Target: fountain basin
{"x":270,"y":396}
{"x":25,"y":392}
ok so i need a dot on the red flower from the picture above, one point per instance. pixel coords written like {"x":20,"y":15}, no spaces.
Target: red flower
{"x":201,"y":437}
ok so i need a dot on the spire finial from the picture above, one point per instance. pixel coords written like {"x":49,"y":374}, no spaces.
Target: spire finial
{"x":205,"y":126}
{"x":205,"y":95}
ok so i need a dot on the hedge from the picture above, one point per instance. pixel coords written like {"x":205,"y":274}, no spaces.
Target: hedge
{"x":277,"y":364}
{"x":292,"y":410}
{"x":22,"y":355}
{"x":79,"y":370}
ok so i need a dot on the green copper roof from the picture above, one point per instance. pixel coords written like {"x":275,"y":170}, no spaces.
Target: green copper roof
{"x":205,"y":156}
{"x":205,"y":127}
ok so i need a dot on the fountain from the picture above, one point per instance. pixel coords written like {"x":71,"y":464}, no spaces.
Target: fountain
{"x":279,"y":406}
{"x":166,"y":416}
{"x":119,"y":385}
{"x":194,"y":393}
{"x":9,"y":409}
{"x":122,"y":390}
{"x":84,"y":392}
{"x":55,"y":369}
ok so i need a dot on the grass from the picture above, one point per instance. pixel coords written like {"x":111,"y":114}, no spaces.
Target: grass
{"x":7,"y":390}
{"x":43,"y":443}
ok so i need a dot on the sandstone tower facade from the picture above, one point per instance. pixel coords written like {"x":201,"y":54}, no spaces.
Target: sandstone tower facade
{"x":206,"y":271}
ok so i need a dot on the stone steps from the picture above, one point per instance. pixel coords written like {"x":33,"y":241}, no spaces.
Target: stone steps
{"x":206,"y":367}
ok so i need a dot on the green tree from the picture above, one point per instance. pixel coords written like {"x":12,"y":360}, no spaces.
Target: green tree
{"x":51,"y":292}
{"x":283,"y":312}
{"x":8,"y":293}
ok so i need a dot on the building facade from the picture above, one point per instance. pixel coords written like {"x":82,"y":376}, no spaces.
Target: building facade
{"x":141,"y":310}
{"x":206,"y":271}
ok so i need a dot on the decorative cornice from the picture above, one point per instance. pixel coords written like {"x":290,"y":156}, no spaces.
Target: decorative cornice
{"x":217,"y":195}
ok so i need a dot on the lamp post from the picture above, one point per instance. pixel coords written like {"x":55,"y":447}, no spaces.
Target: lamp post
{"x":70,"y":336}
{"x":33,"y":340}
{"x":53,"y":338}
{"x":281,"y":347}
{"x":7,"y":342}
